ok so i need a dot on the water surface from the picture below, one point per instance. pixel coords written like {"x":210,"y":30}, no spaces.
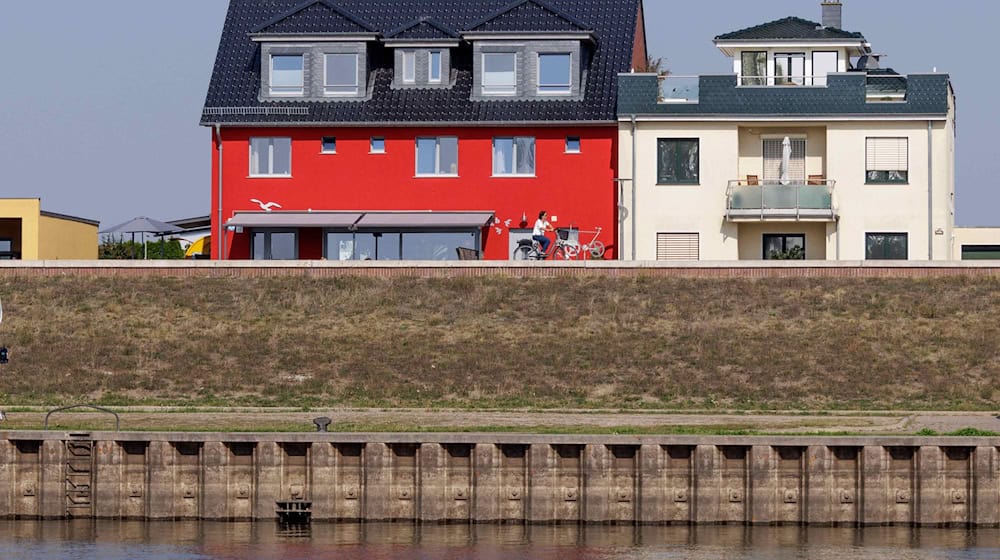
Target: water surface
{"x":110,"y":540}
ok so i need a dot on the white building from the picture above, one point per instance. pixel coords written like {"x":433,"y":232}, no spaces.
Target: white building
{"x":807,"y":150}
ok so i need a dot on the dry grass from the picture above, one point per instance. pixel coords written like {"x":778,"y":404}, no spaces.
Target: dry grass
{"x":645,"y":343}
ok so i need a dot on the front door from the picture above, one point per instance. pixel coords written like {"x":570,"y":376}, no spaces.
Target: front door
{"x":785,"y":246}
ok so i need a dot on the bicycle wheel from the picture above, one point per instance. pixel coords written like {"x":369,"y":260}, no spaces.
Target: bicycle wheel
{"x":560,"y":253}
{"x":597,"y":249}
{"x":522,"y":253}
{"x":572,"y":251}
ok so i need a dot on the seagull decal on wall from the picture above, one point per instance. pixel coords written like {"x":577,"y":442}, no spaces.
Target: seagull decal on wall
{"x":265,"y":206}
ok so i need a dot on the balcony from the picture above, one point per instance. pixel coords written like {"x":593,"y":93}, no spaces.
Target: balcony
{"x":757,"y":201}
{"x":679,"y":89}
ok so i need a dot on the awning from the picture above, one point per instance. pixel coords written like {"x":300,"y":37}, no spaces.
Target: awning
{"x":293,"y":219}
{"x":354,"y":220}
{"x":425,"y":219}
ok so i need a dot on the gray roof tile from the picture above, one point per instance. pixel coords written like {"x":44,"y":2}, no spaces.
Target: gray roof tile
{"x":789,"y":28}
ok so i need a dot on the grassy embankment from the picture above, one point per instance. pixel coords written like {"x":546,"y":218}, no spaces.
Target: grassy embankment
{"x":503,"y":343}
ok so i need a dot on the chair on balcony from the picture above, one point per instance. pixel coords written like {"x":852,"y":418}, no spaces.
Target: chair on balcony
{"x":753,"y":180}
{"x":816,"y":180}
{"x":465,"y":254}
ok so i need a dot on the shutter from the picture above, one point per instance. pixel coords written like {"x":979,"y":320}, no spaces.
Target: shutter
{"x":677,"y":246}
{"x":887,"y":154}
{"x":773,"y":152}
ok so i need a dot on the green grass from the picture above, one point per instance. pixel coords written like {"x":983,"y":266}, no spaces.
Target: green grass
{"x":583,"y":343}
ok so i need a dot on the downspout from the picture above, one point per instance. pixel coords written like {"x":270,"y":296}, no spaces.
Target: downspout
{"x":930,"y":191}
{"x":634,"y":168}
{"x":221,"y":239}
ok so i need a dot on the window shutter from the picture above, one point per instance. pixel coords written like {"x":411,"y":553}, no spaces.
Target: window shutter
{"x":773,"y":152}
{"x":887,"y":154}
{"x":677,"y":247}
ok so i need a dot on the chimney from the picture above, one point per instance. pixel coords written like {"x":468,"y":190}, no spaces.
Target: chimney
{"x":832,"y":13}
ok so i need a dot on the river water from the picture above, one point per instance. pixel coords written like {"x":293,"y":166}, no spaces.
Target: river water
{"x":110,"y":540}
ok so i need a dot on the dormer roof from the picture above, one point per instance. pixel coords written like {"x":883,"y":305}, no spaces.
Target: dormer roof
{"x":789,"y":29}
{"x":314,"y":17}
{"x":528,"y":16}
{"x":425,"y":28}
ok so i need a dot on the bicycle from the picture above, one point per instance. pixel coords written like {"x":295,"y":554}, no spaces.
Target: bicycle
{"x":595,"y":249}
{"x":529,"y":249}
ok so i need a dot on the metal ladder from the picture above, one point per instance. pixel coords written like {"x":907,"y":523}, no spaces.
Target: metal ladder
{"x":79,"y":475}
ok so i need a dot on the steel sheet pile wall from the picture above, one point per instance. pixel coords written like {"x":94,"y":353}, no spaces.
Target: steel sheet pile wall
{"x":504,"y":479}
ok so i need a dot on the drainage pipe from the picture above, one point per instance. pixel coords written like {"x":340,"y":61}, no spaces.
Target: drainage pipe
{"x":221,"y":239}
{"x":634,"y":168}
{"x":930,"y":190}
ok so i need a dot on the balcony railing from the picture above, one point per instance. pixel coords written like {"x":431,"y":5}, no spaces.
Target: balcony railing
{"x":811,"y":200}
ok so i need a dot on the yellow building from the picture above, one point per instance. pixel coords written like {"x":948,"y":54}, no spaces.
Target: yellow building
{"x":28,"y":233}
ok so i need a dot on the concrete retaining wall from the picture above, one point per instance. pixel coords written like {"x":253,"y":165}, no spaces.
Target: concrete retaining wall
{"x":447,"y":478}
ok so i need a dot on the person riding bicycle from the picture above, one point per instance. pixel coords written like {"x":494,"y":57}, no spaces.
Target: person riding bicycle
{"x":538,"y":233}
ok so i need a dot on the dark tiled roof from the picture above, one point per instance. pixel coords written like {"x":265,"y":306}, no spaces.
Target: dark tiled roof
{"x":529,"y":15}
{"x":790,"y":28}
{"x":845,"y":94}
{"x":316,"y":16}
{"x":235,"y":79}
{"x":422,"y":29}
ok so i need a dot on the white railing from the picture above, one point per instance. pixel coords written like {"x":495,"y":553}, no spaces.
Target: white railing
{"x":679,"y":89}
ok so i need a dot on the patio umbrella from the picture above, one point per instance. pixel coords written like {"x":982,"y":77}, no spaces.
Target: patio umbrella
{"x":786,"y":160}
{"x":144,"y":225}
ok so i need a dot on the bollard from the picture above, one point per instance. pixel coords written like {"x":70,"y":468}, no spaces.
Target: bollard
{"x":321,"y":423}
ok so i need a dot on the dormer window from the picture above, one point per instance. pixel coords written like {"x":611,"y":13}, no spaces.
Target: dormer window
{"x":499,"y":73}
{"x":341,"y":74}
{"x":287,"y":76}
{"x":555,"y":73}
{"x":409,"y":67}
{"x":434,"y":67}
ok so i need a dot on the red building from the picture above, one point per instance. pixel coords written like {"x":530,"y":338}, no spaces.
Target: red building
{"x":409,"y":129}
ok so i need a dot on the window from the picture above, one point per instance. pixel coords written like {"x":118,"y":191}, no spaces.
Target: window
{"x":409,"y":67}
{"x":887,"y":161}
{"x":677,"y":161}
{"x":274,"y":245}
{"x":7,"y":249}
{"x":886,"y":246}
{"x":437,"y":156}
{"x":341,"y":74}
{"x":286,"y":75}
{"x":393,"y":246}
{"x":776,"y":170}
{"x":499,"y":74}
{"x":824,"y":62}
{"x":554,"y":73}
{"x":971,"y":252}
{"x":270,"y":157}
{"x":677,"y":247}
{"x":754,"y":68}
{"x":377,"y":145}
{"x":789,"y":69}
{"x":434,"y":67}
{"x":514,"y":156}
{"x":572,"y":144}
{"x":329,"y":145}
{"x":784,"y":246}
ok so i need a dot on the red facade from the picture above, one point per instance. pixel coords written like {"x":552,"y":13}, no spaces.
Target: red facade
{"x":577,"y":189}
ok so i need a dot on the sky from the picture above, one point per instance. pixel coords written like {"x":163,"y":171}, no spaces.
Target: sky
{"x":100,"y":99}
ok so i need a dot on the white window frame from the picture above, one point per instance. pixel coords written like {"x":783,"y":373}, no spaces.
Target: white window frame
{"x":579,"y":145}
{"x":887,"y":154}
{"x":513,"y":172}
{"x":565,"y":89}
{"x":790,"y":79}
{"x":286,"y":91}
{"x":371,"y":145}
{"x":326,"y":75}
{"x":437,"y":157}
{"x":409,"y":72}
{"x":322,"y":145}
{"x":431,"y":67}
{"x":270,"y":157}
{"x":498,"y":90}
{"x":816,"y":78}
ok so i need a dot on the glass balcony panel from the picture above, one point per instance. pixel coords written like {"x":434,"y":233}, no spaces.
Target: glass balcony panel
{"x":679,"y":89}
{"x":777,"y":201}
